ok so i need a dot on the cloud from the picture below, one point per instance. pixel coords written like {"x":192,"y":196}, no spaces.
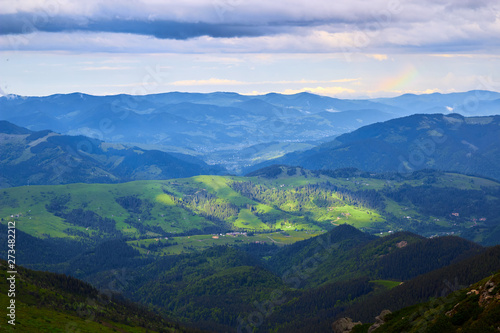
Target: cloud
{"x":379,"y":57}
{"x":377,"y":27}
{"x":211,"y":81}
{"x":24,"y":23}
{"x":105,"y":68}
{"x":216,"y":81}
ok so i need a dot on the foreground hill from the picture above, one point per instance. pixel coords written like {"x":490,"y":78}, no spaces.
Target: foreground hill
{"x":45,"y":157}
{"x":364,"y":295}
{"x":299,"y":288}
{"x":48,"y":302}
{"x":445,"y":142}
{"x":473,"y":309}
{"x":221,"y":288}
{"x":215,"y":284}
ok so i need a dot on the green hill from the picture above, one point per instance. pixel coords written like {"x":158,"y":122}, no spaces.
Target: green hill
{"x":276,"y":199}
{"x":362,"y":298}
{"x":346,"y":253}
{"x":213,"y":288}
{"x":45,"y":157}
{"x":474,"y":309}
{"x":444,"y":142}
{"x":48,"y":302}
{"x":311,"y":281}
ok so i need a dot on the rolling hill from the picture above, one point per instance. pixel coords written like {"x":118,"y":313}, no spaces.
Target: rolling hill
{"x":273,"y":200}
{"x":473,"y":309}
{"x":49,"y":302}
{"x":46,"y":157}
{"x":221,"y":288}
{"x":444,"y":142}
{"x":217,"y":126}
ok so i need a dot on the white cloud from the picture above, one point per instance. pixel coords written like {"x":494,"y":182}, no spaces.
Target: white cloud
{"x":105,"y":68}
{"x":216,"y":82}
{"x":376,"y":27}
{"x":379,"y":57}
{"x":211,"y":81}
{"x":319,"y":46}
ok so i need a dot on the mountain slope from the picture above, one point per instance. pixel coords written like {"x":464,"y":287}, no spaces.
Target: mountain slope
{"x":362,"y":298}
{"x":45,"y":157}
{"x":473,"y":309}
{"x":471,"y":103}
{"x":276,"y":199}
{"x":207,"y":289}
{"x":195,"y":123}
{"x":216,"y":288}
{"x":445,"y":142}
{"x":218,"y":125}
{"x":386,"y":258}
{"x":48,"y":302}
{"x":439,"y":282}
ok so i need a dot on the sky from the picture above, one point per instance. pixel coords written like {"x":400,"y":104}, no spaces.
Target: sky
{"x":344,"y":49}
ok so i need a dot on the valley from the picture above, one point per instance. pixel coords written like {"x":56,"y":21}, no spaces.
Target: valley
{"x":258,"y":234}
{"x":229,"y":166}
{"x":232,"y":130}
{"x":276,"y":199}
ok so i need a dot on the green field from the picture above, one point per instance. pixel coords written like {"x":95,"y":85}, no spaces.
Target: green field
{"x":246,"y":220}
{"x":212,"y":204}
{"x":187,"y":244}
{"x":27,"y":205}
{"x":387,"y":283}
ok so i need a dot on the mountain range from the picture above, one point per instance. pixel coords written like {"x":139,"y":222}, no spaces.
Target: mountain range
{"x":350,"y":209}
{"x":304,"y":287}
{"x":451,"y":142}
{"x":226,"y":128}
{"x":46,"y":157}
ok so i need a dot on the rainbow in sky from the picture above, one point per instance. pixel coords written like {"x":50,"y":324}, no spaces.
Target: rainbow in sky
{"x":399,"y":82}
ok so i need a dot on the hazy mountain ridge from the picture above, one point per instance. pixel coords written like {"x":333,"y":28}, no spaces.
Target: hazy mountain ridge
{"x":218,"y":125}
{"x":445,"y":142}
{"x":46,"y":157}
{"x":471,"y":103}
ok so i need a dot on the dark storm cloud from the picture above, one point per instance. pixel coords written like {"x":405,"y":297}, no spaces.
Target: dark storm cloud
{"x":27,"y":23}
{"x":375,"y":26}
